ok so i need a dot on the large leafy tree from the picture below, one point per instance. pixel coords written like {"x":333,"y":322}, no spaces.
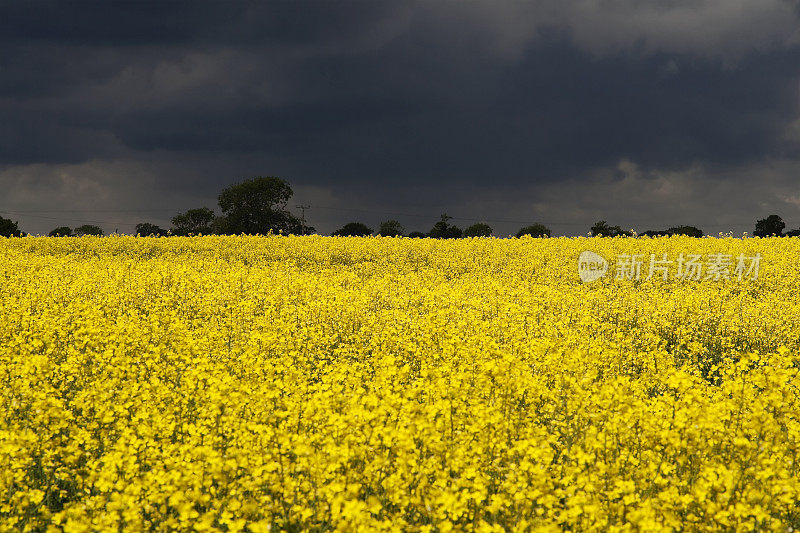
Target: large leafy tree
{"x":772,"y":225}
{"x":258,"y":205}
{"x":9,"y":228}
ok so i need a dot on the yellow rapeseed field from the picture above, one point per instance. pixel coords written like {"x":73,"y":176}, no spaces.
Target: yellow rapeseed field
{"x":359,"y":384}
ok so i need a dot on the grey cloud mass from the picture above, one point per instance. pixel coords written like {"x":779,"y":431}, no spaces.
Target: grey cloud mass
{"x":643,"y":113}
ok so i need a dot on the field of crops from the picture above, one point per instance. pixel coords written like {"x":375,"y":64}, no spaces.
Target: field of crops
{"x":320,"y":383}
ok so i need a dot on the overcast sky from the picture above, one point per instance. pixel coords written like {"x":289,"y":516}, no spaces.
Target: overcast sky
{"x":646,"y":114}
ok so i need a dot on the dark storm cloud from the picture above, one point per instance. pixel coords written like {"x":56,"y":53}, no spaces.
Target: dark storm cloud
{"x":552,"y":113}
{"x":129,"y":23}
{"x":376,"y":99}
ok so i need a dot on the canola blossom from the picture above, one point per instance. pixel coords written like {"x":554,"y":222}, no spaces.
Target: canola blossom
{"x":368,"y":384}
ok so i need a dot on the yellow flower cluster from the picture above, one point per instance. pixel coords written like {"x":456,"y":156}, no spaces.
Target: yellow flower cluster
{"x":321,"y":383}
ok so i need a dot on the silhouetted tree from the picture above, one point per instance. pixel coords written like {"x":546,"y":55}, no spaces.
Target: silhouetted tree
{"x":9,"y":228}
{"x":258,"y":205}
{"x":689,"y":231}
{"x":391,"y":228}
{"x":536,"y":230}
{"x":602,"y":229}
{"x":478,"y":230}
{"x":792,"y":233}
{"x":88,"y":229}
{"x":443,"y":230}
{"x":145,"y":229}
{"x":772,"y":225}
{"x":353,"y":229}
{"x":194,"y":221}
{"x":417,"y":235}
{"x":61,"y":231}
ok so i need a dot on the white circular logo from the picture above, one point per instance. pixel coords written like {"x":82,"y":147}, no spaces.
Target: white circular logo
{"x":591,"y":266}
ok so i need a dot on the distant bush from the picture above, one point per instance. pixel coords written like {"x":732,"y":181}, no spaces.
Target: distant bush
{"x":88,"y":229}
{"x":353,"y":229}
{"x":391,"y":228}
{"x":478,"y":230}
{"x":443,"y":230}
{"x":145,"y":229}
{"x":602,"y":229}
{"x":536,"y":230}
{"x":689,"y":231}
{"x":61,"y":231}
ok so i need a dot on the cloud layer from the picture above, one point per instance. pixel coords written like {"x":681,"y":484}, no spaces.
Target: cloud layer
{"x":478,"y":108}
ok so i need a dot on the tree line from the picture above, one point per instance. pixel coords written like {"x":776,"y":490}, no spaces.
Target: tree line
{"x":254,"y":206}
{"x":258,"y":206}
{"x":772,"y":226}
{"x":443,"y":229}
